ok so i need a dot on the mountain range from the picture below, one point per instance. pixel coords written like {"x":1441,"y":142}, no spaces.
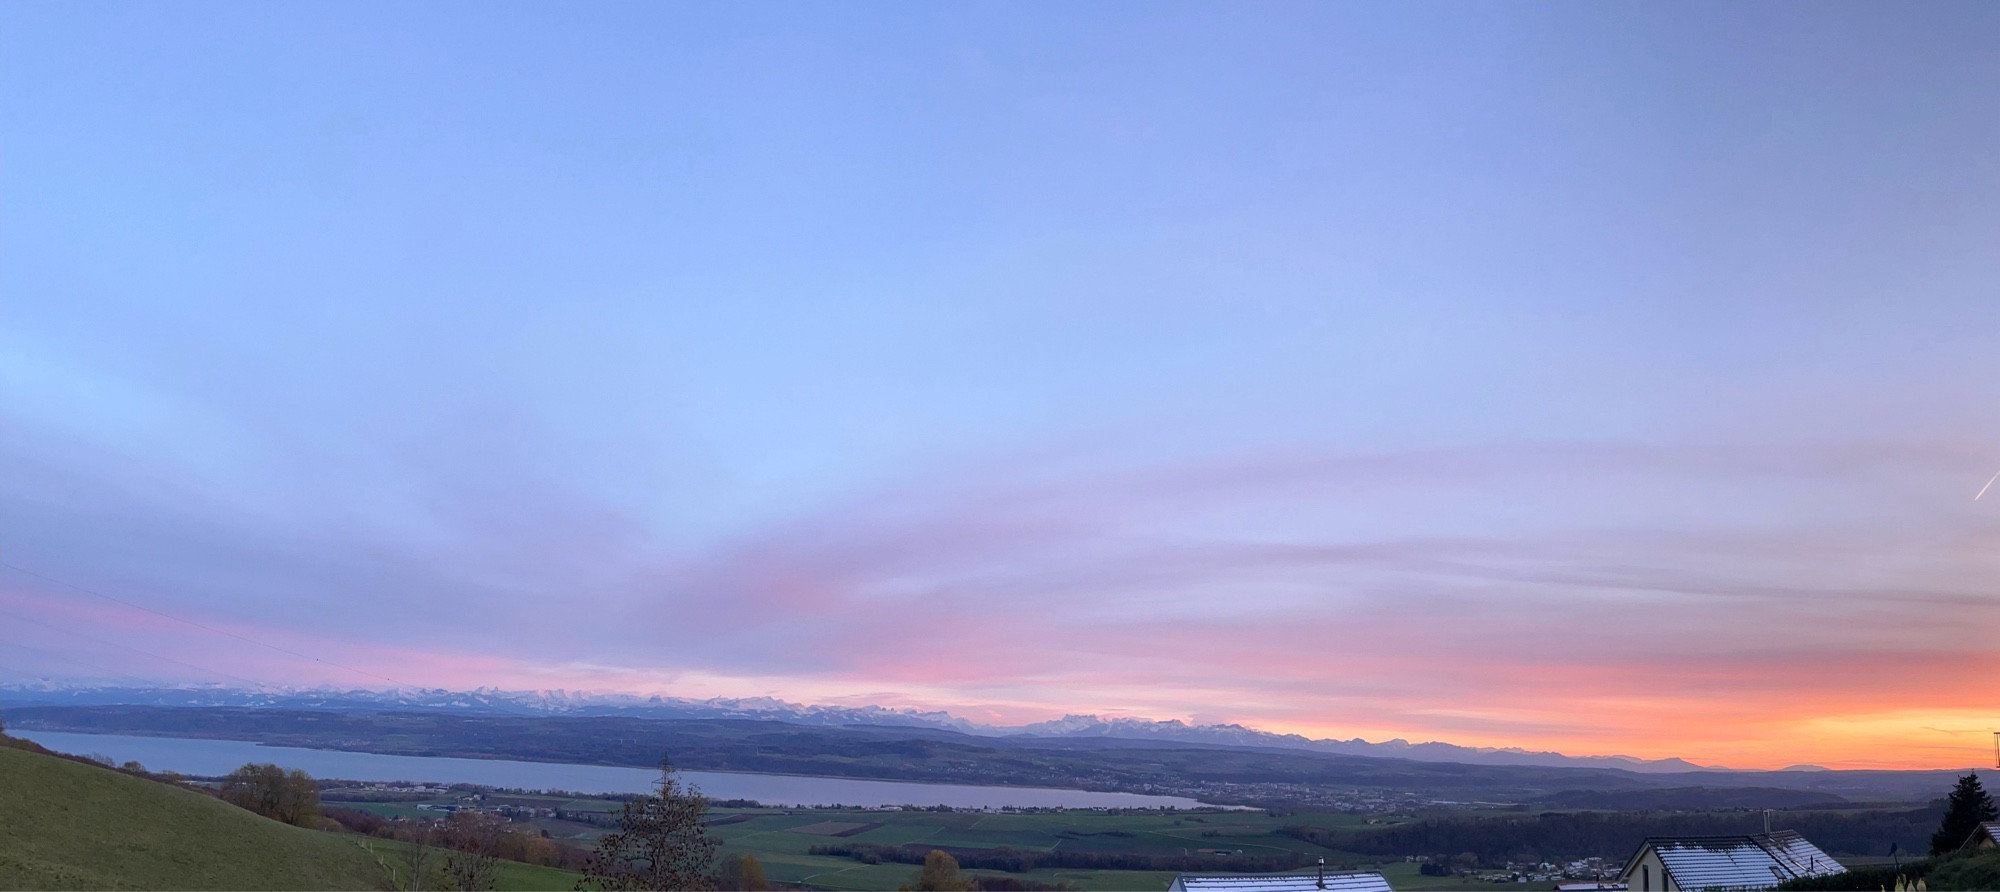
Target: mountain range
{"x":489,"y":701}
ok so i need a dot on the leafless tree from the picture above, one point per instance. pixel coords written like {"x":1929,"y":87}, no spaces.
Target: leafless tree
{"x":417,"y":857}
{"x":472,"y":862}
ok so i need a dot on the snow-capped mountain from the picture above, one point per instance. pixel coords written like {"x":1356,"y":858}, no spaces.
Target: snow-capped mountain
{"x":490,"y":701}
{"x":1238,"y":735}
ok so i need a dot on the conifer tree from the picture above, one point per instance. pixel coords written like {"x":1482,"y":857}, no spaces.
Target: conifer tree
{"x":1964,"y":810}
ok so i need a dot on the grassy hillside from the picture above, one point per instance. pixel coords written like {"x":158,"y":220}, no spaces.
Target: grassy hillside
{"x":508,"y":876}
{"x":66,"y":825}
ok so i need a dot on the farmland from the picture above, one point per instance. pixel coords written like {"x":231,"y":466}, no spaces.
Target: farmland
{"x":785,"y":842}
{"x":805,"y":846}
{"x":846,"y":848}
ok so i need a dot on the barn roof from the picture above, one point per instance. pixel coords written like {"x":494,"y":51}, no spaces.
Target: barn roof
{"x":1989,"y":830}
{"x":1737,"y":862}
{"x":1336,"y":881}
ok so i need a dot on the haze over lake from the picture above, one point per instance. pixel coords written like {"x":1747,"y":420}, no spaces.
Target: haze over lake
{"x":210,"y":758}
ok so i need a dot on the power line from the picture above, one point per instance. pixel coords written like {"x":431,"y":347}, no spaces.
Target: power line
{"x":135,"y":650}
{"x":69,"y":658}
{"x":205,"y":628}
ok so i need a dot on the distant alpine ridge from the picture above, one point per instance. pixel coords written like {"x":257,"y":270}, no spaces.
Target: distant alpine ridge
{"x":489,"y":701}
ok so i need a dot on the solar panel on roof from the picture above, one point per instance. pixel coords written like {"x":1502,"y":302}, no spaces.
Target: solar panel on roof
{"x":1334,"y":881}
{"x":1740,"y":862}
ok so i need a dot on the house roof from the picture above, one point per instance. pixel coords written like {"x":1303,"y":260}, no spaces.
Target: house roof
{"x":1336,"y":881}
{"x":1989,"y":830}
{"x":1736,"y":862}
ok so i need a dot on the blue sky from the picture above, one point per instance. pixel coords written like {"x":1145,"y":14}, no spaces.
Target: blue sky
{"x":735,"y":349}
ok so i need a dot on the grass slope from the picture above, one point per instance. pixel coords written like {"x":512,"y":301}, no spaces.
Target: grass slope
{"x":66,"y":825}
{"x":508,"y":876}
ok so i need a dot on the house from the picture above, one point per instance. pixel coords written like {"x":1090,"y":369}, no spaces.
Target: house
{"x":1987,"y":836}
{"x":1691,"y":863}
{"x":1316,"y":881}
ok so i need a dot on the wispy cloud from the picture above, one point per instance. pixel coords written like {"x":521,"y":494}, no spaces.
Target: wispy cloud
{"x":1297,"y":594}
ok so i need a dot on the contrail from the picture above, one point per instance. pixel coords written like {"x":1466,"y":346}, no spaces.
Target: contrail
{"x":1989,"y":485}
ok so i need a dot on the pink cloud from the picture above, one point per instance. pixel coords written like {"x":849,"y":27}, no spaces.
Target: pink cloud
{"x":1377,"y":596}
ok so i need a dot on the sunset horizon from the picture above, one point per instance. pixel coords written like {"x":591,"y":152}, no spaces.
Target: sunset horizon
{"x":1488,"y":394}
{"x":1973,"y":748}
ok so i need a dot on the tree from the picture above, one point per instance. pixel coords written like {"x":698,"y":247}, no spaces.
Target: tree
{"x":1964,"y":810}
{"x":471,"y":864}
{"x":940,"y":874}
{"x":417,"y":857}
{"x":269,"y":791}
{"x":742,"y":872}
{"x":660,"y":842}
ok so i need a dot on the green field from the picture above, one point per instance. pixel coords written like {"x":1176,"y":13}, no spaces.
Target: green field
{"x":782,"y":841}
{"x":66,"y":825}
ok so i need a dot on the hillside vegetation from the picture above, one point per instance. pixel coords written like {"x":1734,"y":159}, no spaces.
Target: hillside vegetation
{"x":68,"y":825}
{"x":1954,"y":872}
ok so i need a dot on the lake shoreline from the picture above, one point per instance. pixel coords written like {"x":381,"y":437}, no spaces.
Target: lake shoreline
{"x":769,"y":788}
{"x":23,"y":732}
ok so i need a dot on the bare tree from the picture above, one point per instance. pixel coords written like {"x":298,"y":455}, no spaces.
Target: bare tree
{"x":472,"y":863}
{"x":417,"y":857}
{"x":660,"y":842}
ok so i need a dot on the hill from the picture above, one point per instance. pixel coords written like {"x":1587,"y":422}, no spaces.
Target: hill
{"x":68,"y":825}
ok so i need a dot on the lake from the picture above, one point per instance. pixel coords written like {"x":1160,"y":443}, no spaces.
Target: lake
{"x":217,"y":757}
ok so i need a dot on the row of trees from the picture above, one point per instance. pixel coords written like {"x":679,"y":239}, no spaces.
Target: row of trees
{"x":288,"y":797}
{"x":507,"y":840}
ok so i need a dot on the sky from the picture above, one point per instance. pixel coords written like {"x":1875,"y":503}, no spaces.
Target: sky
{"x":1600,"y":378}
